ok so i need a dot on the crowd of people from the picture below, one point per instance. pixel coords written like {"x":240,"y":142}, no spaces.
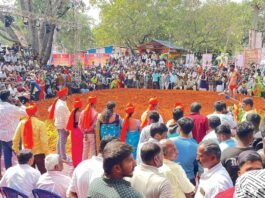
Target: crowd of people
{"x":21,"y":74}
{"x":190,"y":155}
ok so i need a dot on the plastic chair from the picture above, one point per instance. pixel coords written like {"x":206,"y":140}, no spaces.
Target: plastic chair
{"x":39,"y":193}
{"x":11,"y":193}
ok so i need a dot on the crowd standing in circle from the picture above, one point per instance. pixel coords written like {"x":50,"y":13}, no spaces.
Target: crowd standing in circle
{"x":190,"y":155}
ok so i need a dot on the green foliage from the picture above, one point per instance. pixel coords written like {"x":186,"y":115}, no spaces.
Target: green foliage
{"x":214,"y":25}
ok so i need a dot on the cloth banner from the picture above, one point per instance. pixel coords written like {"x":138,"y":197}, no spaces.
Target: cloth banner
{"x":239,"y":61}
{"x":190,"y":60}
{"x":207,"y":60}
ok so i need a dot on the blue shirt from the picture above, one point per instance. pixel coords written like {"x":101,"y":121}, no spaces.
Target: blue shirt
{"x":187,"y":148}
{"x":230,"y":143}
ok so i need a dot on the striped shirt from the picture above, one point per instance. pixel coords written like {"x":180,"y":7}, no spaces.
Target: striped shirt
{"x":251,"y":184}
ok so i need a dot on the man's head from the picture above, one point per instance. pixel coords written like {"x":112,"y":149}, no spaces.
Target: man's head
{"x":169,"y":149}
{"x":247,"y":104}
{"x":153,"y":117}
{"x":177,"y":114}
{"x":25,"y":156}
{"x":158,"y":131}
{"x":195,"y":107}
{"x":219,"y":106}
{"x":249,"y":160}
{"x":185,"y":125}
{"x":255,"y":119}
{"x":105,"y":141}
{"x":223,"y":132}
{"x":208,"y":154}
{"x":117,"y":160}
{"x":151,"y":154}
{"x":214,"y":121}
{"x":4,"y":95}
{"x":245,"y":132}
{"x":53,"y":162}
{"x":232,"y":68}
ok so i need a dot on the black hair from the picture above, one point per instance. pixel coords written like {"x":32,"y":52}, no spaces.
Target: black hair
{"x":223,"y":129}
{"x":254,"y":118}
{"x":195,"y":107}
{"x":159,"y":128}
{"x":107,"y":113}
{"x":154,"y":115}
{"x":4,"y":95}
{"x":177,"y":114}
{"x":219,"y":106}
{"x":114,"y":153}
{"x":148,"y":151}
{"x":248,"y":101}
{"x":244,"y":129}
{"x":248,"y":156}
{"x":214,"y":121}
{"x":105,"y":140}
{"x":24,"y":156}
{"x":186,"y":124}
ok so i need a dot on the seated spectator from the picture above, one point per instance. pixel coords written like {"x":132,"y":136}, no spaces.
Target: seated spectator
{"x":181,"y":186}
{"x":87,"y":171}
{"x":187,"y":148}
{"x":214,"y":122}
{"x":22,"y":177}
{"x":215,"y":178}
{"x":118,"y":162}
{"x":247,"y":161}
{"x":146,"y":177}
{"x":244,"y":137}
{"x":54,"y":180}
{"x":158,"y":132}
{"x":224,"y":136}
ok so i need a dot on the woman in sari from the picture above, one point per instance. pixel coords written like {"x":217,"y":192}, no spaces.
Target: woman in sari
{"x":108,"y":123}
{"x":76,"y":133}
{"x":130,"y":132}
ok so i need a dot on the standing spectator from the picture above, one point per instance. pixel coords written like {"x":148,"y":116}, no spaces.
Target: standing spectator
{"x":130,"y":132}
{"x":200,"y":122}
{"x":215,"y":178}
{"x":248,"y":107}
{"x":146,"y":177}
{"x":117,"y":164}
{"x":244,"y":137}
{"x":224,"y":136}
{"x":153,"y":105}
{"x":60,"y":112}
{"x":54,"y":180}
{"x":76,"y":133}
{"x":87,"y":123}
{"x":214,"y":122}
{"x":34,"y":136}
{"x":187,"y":148}
{"x":87,"y":171}
{"x":9,"y":116}
{"x":108,"y":123}
{"x":247,"y":161}
{"x":172,"y":124}
{"x":181,"y":186}
{"x":22,"y":177}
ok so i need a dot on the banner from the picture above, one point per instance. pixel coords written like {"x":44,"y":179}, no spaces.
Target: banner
{"x":239,"y":61}
{"x":252,"y":56}
{"x":190,"y":59}
{"x":207,"y":60}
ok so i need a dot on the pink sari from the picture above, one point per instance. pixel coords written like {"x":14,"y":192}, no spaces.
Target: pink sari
{"x":77,"y":145}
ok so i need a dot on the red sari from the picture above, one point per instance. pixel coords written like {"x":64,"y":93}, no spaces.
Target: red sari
{"x":77,"y":145}
{"x":42,"y":91}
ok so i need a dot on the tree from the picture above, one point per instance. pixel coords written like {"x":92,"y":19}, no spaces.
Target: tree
{"x":43,"y":17}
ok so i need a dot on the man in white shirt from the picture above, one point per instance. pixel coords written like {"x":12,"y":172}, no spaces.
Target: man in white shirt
{"x":60,"y":112}
{"x":146,"y":177}
{"x":54,"y":180}
{"x":22,"y":177}
{"x":10,"y":116}
{"x":153,"y":117}
{"x":214,"y":122}
{"x":87,"y":171}
{"x":215,"y":178}
{"x":224,"y":136}
{"x":220,"y":111}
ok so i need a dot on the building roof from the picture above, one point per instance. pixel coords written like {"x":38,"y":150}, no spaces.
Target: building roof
{"x":169,"y":44}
